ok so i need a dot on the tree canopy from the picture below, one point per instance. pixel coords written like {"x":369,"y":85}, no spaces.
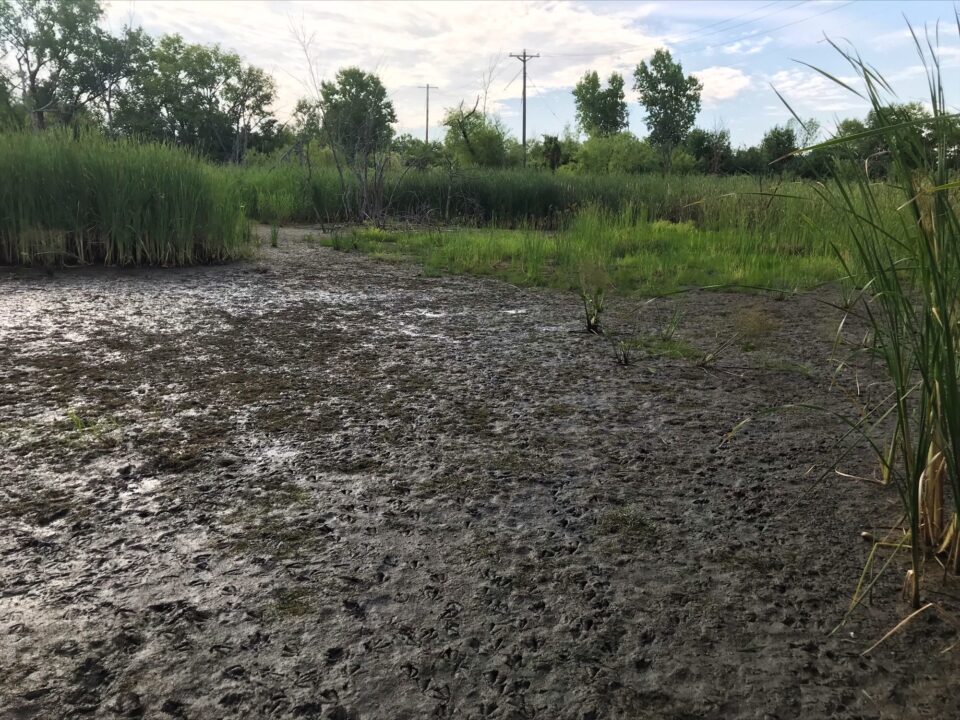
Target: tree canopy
{"x":600,"y":111}
{"x":475,"y":139}
{"x":779,"y":141}
{"x":69,"y":71}
{"x":357,"y":115}
{"x":710,"y":150}
{"x":50,"y":40}
{"x":671,"y":100}
{"x":196,"y":95}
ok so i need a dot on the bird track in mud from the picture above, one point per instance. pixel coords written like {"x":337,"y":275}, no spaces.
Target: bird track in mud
{"x":320,"y":486}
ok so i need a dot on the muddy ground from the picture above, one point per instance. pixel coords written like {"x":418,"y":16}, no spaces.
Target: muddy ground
{"x":315,"y":485}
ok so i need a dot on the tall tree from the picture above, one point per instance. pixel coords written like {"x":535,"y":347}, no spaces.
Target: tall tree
{"x":600,"y":112}
{"x":859,"y":149}
{"x":95,"y":80}
{"x":47,"y":38}
{"x":920,"y":134}
{"x":357,"y":114}
{"x":6,"y":95}
{"x":552,"y":152}
{"x":671,"y":100}
{"x":356,"y":120}
{"x":247,"y":96}
{"x":807,"y":132}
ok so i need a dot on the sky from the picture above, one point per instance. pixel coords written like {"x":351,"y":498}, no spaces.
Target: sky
{"x":739,"y":50}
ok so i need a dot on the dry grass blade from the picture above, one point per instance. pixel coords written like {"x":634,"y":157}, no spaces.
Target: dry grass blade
{"x":898,"y":627}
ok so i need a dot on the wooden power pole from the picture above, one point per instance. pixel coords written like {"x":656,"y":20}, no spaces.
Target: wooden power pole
{"x":524,"y":57}
{"x":426,"y":129}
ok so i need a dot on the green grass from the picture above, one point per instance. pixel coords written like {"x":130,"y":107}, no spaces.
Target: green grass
{"x":64,"y":201}
{"x":636,"y":256}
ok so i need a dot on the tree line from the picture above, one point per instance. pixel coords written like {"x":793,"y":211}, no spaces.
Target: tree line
{"x":60,"y":68}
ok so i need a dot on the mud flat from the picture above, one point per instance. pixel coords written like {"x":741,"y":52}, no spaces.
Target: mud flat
{"x":321,"y":486}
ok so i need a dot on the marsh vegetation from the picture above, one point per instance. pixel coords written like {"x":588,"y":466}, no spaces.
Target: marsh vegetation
{"x":585,"y":438}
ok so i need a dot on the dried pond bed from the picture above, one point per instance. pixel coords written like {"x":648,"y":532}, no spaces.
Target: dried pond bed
{"x":321,"y":486}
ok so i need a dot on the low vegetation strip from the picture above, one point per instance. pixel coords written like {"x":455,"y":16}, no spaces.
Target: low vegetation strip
{"x":66,"y":201}
{"x":507,"y":197}
{"x":610,"y":250}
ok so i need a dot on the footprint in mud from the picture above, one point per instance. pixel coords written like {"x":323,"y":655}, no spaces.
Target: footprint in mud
{"x":89,"y":678}
{"x":127,"y":704}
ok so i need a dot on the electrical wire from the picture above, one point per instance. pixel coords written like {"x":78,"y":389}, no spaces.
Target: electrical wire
{"x":723,"y":30}
{"x":811,"y":17}
{"x":544,"y":99}
{"x":700,"y":35}
{"x":514,"y":79}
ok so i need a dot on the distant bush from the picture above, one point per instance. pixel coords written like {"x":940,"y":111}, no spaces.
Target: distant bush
{"x":620,"y":153}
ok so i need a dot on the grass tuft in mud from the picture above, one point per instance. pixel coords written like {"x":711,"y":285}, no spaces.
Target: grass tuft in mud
{"x":628,"y":523}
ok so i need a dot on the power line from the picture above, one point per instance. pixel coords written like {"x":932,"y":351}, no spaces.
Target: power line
{"x":545,"y":101}
{"x":765,"y":31}
{"x":524,"y":57}
{"x":514,"y":78}
{"x":737,"y":17}
{"x":811,"y":17}
{"x":701,"y":36}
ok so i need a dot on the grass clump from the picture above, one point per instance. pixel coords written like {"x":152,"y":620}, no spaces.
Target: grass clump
{"x":592,"y":287}
{"x":908,"y":270}
{"x":753,"y":327}
{"x":92,"y":200}
{"x":628,"y":523}
{"x":623,"y":352}
{"x":657,"y":346}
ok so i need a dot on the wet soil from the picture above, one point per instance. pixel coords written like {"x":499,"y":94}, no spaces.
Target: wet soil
{"x":316,"y":485}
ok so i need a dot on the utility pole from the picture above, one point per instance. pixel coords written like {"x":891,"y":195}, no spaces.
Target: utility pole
{"x":524,"y":57}
{"x":426,"y":130}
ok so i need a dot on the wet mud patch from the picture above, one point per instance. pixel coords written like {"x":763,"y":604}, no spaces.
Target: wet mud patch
{"x":321,"y":486}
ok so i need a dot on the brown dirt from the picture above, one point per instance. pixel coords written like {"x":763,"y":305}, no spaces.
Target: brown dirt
{"x":320,"y":486}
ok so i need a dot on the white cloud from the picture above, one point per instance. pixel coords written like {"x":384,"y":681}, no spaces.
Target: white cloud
{"x":746,"y":47}
{"x":810,"y":92}
{"x":893,"y":38}
{"x":722,"y":83}
{"x":448,"y":44}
